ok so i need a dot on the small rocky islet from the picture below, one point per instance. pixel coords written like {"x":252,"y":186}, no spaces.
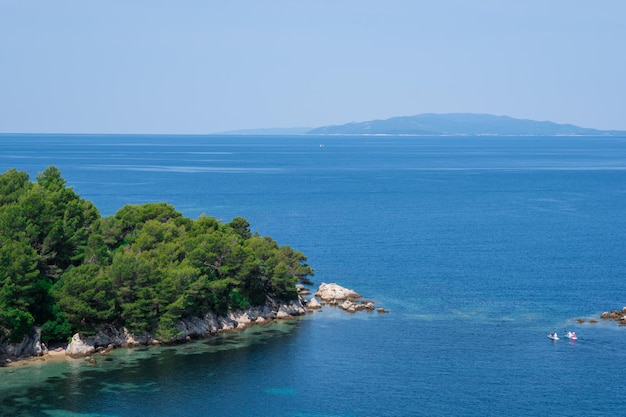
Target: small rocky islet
{"x":344,"y":298}
{"x":615,"y":315}
{"x":618,"y":316}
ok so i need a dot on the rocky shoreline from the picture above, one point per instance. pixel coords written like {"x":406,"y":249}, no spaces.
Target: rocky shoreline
{"x":110,"y":337}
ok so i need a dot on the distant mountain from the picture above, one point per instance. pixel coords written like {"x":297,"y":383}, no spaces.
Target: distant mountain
{"x":460,"y":124}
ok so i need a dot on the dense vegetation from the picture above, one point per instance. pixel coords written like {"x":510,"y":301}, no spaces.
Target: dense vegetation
{"x":65,"y":268}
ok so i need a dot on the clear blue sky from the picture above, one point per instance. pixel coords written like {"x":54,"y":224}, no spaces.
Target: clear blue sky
{"x":202,"y":66}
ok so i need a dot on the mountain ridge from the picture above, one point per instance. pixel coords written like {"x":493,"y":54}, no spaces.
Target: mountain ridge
{"x":440,"y":124}
{"x":471,"y":124}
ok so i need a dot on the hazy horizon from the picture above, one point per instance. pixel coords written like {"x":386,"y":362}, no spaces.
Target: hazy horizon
{"x":196,"y":67}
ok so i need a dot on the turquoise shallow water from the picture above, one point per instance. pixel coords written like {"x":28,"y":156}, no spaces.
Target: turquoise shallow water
{"x":478,"y":246}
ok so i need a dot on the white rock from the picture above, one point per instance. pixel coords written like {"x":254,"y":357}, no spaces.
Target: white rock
{"x":330,"y":293}
{"x":346,"y":305}
{"x":78,"y":347}
{"x":282,"y":314}
{"x":226,"y":323}
{"x":29,"y":346}
{"x":313,"y":304}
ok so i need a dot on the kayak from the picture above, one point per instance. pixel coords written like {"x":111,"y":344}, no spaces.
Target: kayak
{"x":553,"y":337}
{"x":571,"y":335}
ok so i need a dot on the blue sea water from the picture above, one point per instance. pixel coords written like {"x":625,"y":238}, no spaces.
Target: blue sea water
{"x":478,"y":246}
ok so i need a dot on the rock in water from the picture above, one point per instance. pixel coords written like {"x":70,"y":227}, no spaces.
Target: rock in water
{"x":344,"y":298}
{"x":313,"y":304}
{"x":333,"y":293}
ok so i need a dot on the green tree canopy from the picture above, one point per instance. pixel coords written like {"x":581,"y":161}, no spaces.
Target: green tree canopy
{"x":65,"y":268}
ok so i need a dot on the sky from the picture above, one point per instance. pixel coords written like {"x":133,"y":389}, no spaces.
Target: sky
{"x":207,"y":66}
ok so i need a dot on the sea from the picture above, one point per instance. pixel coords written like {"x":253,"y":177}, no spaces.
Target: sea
{"x":477,"y":246}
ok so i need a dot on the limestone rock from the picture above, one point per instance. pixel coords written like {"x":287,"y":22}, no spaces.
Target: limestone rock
{"x":197,"y":326}
{"x":348,"y":306}
{"x":313,"y":304}
{"x":333,"y":293}
{"x":29,"y":346}
{"x":290,"y":310}
{"x":226,"y":323}
{"x":78,"y":347}
{"x":352,"y":306}
{"x":346,"y":299}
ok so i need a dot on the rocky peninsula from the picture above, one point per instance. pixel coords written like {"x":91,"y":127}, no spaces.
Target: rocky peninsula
{"x":145,"y":275}
{"x":110,"y":337}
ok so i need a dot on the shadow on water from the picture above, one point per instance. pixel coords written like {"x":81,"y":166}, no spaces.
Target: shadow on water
{"x":116,"y":383}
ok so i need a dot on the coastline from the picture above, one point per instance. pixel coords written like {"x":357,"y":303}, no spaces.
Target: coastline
{"x":50,"y":356}
{"x":110,"y":337}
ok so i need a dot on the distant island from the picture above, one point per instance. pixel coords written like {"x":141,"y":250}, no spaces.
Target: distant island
{"x":451,"y":124}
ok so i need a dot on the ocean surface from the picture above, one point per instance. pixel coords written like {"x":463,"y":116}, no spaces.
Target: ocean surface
{"x":478,"y":247}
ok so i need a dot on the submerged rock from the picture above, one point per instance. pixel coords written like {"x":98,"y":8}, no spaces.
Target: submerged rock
{"x":352,"y":307}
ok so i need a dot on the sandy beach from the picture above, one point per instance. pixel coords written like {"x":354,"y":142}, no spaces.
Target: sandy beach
{"x":52,"y":355}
